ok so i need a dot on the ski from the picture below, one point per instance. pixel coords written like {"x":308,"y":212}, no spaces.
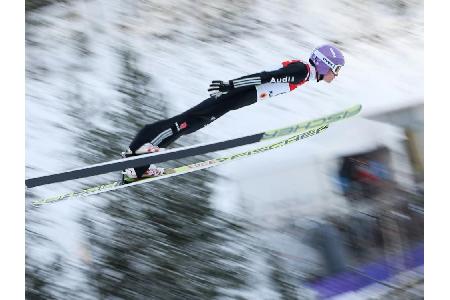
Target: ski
{"x":178,"y":153}
{"x":170,"y":172}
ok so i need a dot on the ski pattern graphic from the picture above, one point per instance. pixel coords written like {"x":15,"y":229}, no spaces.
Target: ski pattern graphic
{"x":178,"y":153}
{"x":170,"y":172}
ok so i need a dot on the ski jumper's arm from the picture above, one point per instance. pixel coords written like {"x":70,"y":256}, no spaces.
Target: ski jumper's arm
{"x":292,"y":72}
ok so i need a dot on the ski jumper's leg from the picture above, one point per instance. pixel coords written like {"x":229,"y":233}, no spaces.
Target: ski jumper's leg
{"x":165,"y":132}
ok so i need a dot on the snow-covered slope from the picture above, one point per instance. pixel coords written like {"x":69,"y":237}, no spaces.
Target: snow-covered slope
{"x":73,"y":65}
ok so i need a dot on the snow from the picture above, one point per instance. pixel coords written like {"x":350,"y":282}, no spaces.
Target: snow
{"x":384,"y":71}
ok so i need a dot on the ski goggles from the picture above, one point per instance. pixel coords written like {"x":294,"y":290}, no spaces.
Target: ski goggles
{"x":333,"y":67}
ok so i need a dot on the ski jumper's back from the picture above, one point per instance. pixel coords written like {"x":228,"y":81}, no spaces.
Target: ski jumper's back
{"x":245,"y":91}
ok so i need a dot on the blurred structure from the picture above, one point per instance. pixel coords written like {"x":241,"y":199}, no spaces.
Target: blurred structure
{"x":411,"y":120}
{"x":360,"y":211}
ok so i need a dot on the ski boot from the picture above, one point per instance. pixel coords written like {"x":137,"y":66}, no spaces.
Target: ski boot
{"x":129,"y":175}
{"x":147,"y":148}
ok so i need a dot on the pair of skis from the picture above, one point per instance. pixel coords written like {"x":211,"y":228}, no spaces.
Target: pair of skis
{"x":296,"y":132}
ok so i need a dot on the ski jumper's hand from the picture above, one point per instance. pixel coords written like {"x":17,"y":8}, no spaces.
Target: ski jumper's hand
{"x":218,"y":88}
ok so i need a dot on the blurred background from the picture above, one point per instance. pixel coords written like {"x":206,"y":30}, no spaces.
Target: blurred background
{"x":337,"y":216}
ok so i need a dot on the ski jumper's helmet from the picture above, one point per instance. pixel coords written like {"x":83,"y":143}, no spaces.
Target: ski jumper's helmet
{"x":327,"y":57}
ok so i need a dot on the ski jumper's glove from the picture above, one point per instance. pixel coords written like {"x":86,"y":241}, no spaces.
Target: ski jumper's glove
{"x":218,"y":88}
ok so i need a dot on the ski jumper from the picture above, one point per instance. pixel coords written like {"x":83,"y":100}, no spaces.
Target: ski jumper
{"x":244,"y":91}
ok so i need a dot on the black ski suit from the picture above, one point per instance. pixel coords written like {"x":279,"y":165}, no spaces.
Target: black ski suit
{"x":244,"y":91}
